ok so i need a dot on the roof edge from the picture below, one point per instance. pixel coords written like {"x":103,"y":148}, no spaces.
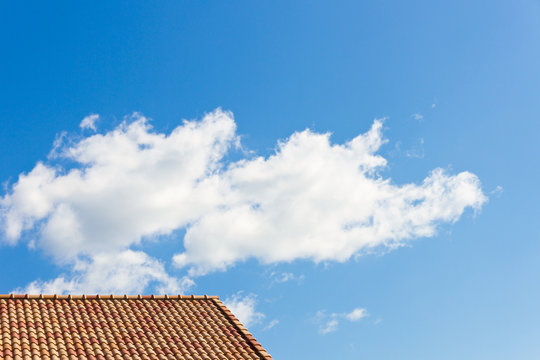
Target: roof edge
{"x":243,"y":330}
{"x":110,"y":297}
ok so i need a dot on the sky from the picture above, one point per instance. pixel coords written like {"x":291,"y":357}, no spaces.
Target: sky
{"x":356,"y":180}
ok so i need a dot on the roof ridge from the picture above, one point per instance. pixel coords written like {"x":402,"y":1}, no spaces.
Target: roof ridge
{"x":109,"y":297}
{"x":243,"y":330}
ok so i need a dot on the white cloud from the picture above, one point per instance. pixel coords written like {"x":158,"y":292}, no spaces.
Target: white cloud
{"x":330,"y":326}
{"x":330,"y":323}
{"x":271,"y":324}
{"x":356,"y":314}
{"x":243,"y":307}
{"x":417,"y":116}
{"x":89,"y":122}
{"x":324,"y":202}
{"x":127,"y":184}
{"x":126,"y":272}
{"x":311,"y":199}
{"x":281,"y":277}
{"x":416,"y":151}
{"x":57,"y":144}
{"x":497,"y":191}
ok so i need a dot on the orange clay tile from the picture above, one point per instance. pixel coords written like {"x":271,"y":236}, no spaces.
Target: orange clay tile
{"x":122,"y":327}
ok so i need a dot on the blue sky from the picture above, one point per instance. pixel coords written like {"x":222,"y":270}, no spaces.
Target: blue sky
{"x":328,"y":246}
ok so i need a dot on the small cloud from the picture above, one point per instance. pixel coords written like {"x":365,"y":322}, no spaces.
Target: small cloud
{"x":356,"y":314}
{"x":497,"y":191}
{"x":282,"y":277}
{"x":417,"y":151}
{"x":89,"y":122}
{"x":243,"y":307}
{"x":433,"y":106}
{"x":330,"y":323}
{"x":330,"y":326}
{"x":417,"y":116}
{"x":57,"y":145}
{"x":271,"y":324}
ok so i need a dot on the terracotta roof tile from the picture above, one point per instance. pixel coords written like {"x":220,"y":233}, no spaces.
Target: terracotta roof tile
{"x":122,"y":327}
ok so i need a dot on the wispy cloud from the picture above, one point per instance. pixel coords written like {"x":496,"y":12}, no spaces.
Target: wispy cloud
{"x":417,"y":116}
{"x":330,"y":322}
{"x":416,"y":151}
{"x":271,"y":324}
{"x":311,"y":199}
{"x":330,"y":326}
{"x":89,"y":122}
{"x":282,"y":277}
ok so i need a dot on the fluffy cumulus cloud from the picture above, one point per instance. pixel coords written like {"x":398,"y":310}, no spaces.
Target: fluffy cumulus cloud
{"x":311,"y":199}
{"x":321,"y":201}
{"x":130,"y":271}
{"x":128,"y":184}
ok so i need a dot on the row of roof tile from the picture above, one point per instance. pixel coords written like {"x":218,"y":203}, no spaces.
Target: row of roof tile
{"x":113,"y":297}
{"x":122,"y":327}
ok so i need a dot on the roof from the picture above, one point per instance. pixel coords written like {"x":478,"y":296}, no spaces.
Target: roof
{"x":122,"y":327}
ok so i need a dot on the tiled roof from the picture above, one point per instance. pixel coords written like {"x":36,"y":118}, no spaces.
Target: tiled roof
{"x":122,"y":327}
